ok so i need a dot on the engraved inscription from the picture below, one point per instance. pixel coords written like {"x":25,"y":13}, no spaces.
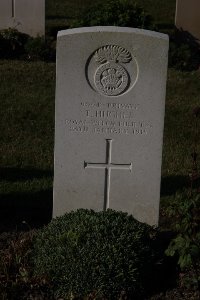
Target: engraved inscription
{"x":109,"y":118}
{"x":110,"y":105}
{"x":108,"y":166}
{"x":109,"y":114}
{"x":112,"y":70}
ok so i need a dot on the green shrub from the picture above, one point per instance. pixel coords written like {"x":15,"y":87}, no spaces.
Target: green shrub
{"x":12,"y":43}
{"x":40,"y":48}
{"x":16,"y":270}
{"x":185,"y":211}
{"x":114,"y":13}
{"x":84,"y":253}
{"x":184,"y":51}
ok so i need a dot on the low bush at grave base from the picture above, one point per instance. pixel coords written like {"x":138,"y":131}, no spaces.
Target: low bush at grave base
{"x":105,"y":254}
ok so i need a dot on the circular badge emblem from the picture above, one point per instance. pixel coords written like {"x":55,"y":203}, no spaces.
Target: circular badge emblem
{"x":111,"y":79}
{"x":111,"y":70}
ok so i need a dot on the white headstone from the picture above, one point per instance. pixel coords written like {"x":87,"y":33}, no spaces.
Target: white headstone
{"x":26,"y":16}
{"x":188,"y":17}
{"x":110,"y":100}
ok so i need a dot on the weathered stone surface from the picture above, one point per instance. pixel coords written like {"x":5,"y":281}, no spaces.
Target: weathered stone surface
{"x":110,"y":99}
{"x":188,"y":17}
{"x":27,"y":16}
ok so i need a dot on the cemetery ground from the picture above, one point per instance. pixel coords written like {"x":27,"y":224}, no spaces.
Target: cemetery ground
{"x":27,"y":138}
{"x":27,"y":135}
{"x":27,"y":93}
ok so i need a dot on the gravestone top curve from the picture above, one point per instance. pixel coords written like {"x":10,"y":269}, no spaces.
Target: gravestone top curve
{"x":114,"y":29}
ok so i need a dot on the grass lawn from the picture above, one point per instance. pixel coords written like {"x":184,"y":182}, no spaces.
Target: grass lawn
{"x":27,"y":136}
{"x":183,"y":92}
{"x":27,"y":94}
{"x":27,"y":116}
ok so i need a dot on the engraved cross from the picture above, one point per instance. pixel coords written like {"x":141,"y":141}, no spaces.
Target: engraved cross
{"x":108,"y":166}
{"x":13,"y":8}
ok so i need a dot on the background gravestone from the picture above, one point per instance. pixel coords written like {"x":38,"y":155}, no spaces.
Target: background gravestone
{"x":110,"y":99}
{"x":26,"y":16}
{"x":188,"y":16}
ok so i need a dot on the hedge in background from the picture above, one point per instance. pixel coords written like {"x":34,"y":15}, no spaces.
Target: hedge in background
{"x":115,"y":13}
{"x":17,"y":45}
{"x":184,"y":51}
{"x":12,"y":43}
{"x":40,"y":48}
{"x":105,"y":254}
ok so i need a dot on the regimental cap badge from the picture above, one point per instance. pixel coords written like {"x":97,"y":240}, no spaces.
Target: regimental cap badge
{"x":112,"y":53}
{"x":111,"y":66}
{"x":111,"y":78}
